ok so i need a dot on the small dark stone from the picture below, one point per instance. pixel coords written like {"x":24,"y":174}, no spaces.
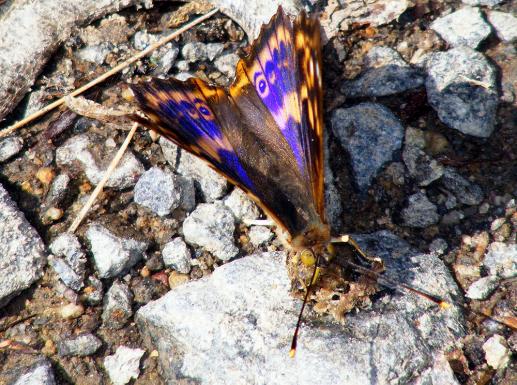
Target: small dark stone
{"x":82,"y":345}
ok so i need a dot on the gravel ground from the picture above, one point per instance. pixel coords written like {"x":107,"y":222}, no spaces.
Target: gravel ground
{"x":421,"y":135}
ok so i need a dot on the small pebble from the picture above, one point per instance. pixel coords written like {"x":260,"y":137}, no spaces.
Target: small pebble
{"x":465,"y":27}
{"x":462,"y":87}
{"x":65,"y":272}
{"x":53,"y":214}
{"x":176,"y":255}
{"x":227,"y":64}
{"x":144,"y":272}
{"x":45,"y":175}
{"x":371,"y":134}
{"x":384,"y":73}
{"x":420,"y":212}
{"x":72,"y":310}
{"x":9,"y":147}
{"x":484,"y":207}
{"x":497,"y":354}
{"x":93,"y":293}
{"x":161,"y":277}
{"x":482,"y":288}
{"x":193,"y":52}
{"x":117,"y":306}
{"x":124,"y":365}
{"x":113,"y":255}
{"x":211,"y":226}
{"x":452,"y":218}
{"x":242,"y":207}
{"x":177,"y":279}
{"x":58,"y":190}
{"x":496,"y":224}
{"x":260,"y":235}
{"x":505,"y":25}
{"x":158,"y":190}
{"x":80,"y":346}
{"x":438,"y":246}
{"x":501,"y":259}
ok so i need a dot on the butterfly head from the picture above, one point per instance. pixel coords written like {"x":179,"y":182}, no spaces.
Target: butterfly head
{"x":316,"y":238}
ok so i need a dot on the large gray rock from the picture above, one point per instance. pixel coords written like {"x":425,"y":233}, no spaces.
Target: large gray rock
{"x":22,"y":255}
{"x":38,"y":373}
{"x":505,"y":24}
{"x":461,"y":86}
{"x":385,"y":73}
{"x":235,"y":327}
{"x":465,"y":27}
{"x":32,"y":30}
{"x":371,"y":134}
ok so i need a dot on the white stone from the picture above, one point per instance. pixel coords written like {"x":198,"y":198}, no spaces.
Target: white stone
{"x":505,"y":25}
{"x":260,"y":235}
{"x":465,"y":27}
{"x":482,"y":288}
{"x":242,"y":207}
{"x":176,"y":255}
{"x":211,"y":226}
{"x":124,"y":365}
{"x":497,"y":354}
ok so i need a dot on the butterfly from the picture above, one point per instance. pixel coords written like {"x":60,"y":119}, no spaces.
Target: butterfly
{"x":264,"y":133}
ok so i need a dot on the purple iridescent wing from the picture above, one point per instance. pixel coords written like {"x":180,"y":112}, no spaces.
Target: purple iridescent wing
{"x":266,"y":141}
{"x":189,"y":113}
{"x":284,"y":68}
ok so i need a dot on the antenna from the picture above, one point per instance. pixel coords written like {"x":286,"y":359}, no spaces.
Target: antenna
{"x":294,"y":341}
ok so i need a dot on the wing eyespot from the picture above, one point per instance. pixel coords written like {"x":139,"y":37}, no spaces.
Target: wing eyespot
{"x":261,"y":85}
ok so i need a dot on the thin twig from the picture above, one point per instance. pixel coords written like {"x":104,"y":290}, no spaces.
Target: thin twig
{"x":113,"y":71}
{"x":103,"y":181}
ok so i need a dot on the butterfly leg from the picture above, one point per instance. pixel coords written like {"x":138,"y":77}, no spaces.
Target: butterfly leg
{"x":375,"y":261}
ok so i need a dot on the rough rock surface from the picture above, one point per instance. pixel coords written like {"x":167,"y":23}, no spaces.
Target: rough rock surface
{"x":461,"y":87}
{"x":371,"y":133}
{"x":236,"y":326}
{"x":32,"y":31}
{"x":113,"y":255}
{"x":83,"y":150}
{"x":250,"y":15}
{"x":465,"y":27}
{"x":22,"y":255}
{"x":38,"y":373}
{"x":384,"y":73}
{"x":211,"y":226}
